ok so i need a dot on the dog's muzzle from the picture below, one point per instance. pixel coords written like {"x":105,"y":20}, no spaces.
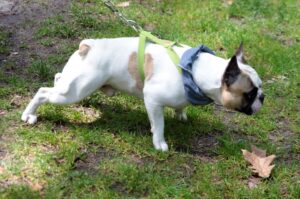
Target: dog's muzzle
{"x":253,"y":108}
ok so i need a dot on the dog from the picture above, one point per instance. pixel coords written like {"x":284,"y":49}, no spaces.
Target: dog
{"x":111,"y":65}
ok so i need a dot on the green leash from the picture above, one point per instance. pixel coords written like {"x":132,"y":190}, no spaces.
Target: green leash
{"x":144,"y":36}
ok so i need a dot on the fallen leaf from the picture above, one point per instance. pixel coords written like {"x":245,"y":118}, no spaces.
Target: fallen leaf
{"x":260,"y":163}
{"x":123,"y":4}
{"x":259,"y":152}
{"x":1,"y":170}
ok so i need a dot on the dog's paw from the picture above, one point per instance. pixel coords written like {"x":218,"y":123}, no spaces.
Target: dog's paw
{"x":161,"y":145}
{"x":28,"y":118}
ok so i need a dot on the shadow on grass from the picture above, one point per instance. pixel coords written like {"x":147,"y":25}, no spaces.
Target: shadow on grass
{"x":203,"y":137}
{"x":199,"y":136}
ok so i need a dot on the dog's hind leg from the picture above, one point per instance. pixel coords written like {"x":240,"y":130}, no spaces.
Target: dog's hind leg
{"x":58,"y":95}
{"x":42,"y":96}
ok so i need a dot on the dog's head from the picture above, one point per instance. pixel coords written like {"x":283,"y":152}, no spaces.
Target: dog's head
{"x":241,"y":86}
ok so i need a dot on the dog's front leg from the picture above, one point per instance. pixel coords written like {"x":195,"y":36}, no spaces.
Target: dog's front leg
{"x":156,"y":117}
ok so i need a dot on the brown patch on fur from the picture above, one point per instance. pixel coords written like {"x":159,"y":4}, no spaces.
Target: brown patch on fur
{"x":231,"y":99}
{"x":133,"y":70}
{"x":108,"y":90}
{"x":148,"y":67}
{"x":84,"y":49}
{"x":233,"y":95}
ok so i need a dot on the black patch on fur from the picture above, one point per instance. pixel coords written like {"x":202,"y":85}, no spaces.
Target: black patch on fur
{"x":261,"y":98}
{"x":250,"y":98}
{"x":232,"y":72}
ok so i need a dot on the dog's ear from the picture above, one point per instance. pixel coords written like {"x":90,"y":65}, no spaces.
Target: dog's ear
{"x":232,"y":72}
{"x":240,"y":53}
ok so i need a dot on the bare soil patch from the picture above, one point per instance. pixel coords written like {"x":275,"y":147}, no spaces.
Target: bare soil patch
{"x":21,"y":18}
{"x":6,"y":7}
{"x":89,"y":161}
{"x":202,"y":147}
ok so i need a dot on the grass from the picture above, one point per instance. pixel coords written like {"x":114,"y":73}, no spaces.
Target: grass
{"x":102,"y":148}
{"x":4,"y":42}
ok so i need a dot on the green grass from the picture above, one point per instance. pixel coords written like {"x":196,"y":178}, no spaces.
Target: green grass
{"x":102,"y":147}
{"x":4,"y":42}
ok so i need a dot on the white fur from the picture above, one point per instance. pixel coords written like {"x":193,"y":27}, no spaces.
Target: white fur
{"x":106,"y":63}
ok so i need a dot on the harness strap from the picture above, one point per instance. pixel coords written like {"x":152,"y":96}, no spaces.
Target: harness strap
{"x":144,"y":36}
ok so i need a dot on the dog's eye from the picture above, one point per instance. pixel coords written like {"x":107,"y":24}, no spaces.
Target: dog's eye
{"x":250,"y":96}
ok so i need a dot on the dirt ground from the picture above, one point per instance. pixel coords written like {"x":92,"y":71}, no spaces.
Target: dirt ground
{"x":20,"y":18}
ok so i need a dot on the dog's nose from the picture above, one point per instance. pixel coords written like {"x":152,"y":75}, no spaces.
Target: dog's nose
{"x":261,"y":98}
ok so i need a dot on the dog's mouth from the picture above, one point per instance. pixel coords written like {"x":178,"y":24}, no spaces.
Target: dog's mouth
{"x":247,"y":111}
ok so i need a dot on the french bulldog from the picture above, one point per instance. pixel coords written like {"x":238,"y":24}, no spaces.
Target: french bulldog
{"x":111,"y":65}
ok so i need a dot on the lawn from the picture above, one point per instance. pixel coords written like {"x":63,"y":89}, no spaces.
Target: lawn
{"x":102,"y":147}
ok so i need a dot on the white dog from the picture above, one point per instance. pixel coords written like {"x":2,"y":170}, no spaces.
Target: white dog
{"x":111,"y":64}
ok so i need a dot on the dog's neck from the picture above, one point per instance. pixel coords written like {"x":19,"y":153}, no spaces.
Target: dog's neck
{"x":208,"y":71}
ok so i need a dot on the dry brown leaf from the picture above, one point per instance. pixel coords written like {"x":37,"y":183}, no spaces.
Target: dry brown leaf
{"x":123,"y":4}
{"x":2,"y":170}
{"x":260,"y":163}
{"x":259,"y":152}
